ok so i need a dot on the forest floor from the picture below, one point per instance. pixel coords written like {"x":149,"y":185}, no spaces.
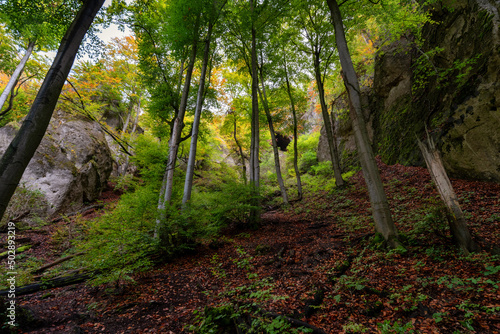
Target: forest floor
{"x":315,"y":261}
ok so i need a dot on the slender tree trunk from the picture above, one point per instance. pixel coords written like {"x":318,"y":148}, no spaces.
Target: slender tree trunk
{"x":295,"y":137}
{"x":380,"y":206}
{"x":240,"y":150}
{"x":333,"y":117}
{"x":23,"y":146}
{"x":132,"y":131}
{"x":332,"y":144}
{"x":457,"y":222}
{"x":168,"y":177}
{"x":255,"y":142}
{"x":13,"y":94}
{"x":276,"y":153}
{"x":177,"y":129}
{"x":17,"y":73}
{"x":188,"y":184}
{"x":122,"y":169}
{"x":127,"y":121}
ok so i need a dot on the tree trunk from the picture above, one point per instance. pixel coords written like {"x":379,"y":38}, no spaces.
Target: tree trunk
{"x":240,"y":150}
{"x":188,"y":184}
{"x":380,"y":206}
{"x":175,"y":136}
{"x":23,"y":146}
{"x":50,"y":284}
{"x":332,"y":144}
{"x":17,"y":73}
{"x":458,"y":224}
{"x":132,"y":131}
{"x":255,"y":142}
{"x":277,"y":164}
{"x":333,"y":118}
{"x":177,"y":129}
{"x":122,"y":169}
{"x":295,"y":153}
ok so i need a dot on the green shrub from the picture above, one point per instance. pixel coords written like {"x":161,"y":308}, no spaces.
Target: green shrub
{"x":150,"y":157}
{"x":230,"y":204}
{"x":307,"y":146}
{"x":307,"y":161}
{"x":324,"y":168}
{"x":120,"y":242}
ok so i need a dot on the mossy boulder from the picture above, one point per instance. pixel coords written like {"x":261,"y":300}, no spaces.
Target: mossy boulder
{"x":70,"y":167}
{"x":454,"y":89}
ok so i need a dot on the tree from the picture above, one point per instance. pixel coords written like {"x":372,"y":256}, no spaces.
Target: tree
{"x":180,"y":36}
{"x":109,"y":86}
{"x":263,"y":97}
{"x":252,"y":18}
{"x":255,"y":139}
{"x":320,"y":46}
{"x":23,"y":146}
{"x":380,"y":206}
{"x":456,"y":219}
{"x":295,"y":135}
{"x":17,"y":73}
{"x":234,"y":96}
{"x":40,"y":23}
{"x":23,"y":91}
{"x":213,"y":14}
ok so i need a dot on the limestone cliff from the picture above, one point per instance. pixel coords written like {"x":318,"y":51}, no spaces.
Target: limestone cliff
{"x":451,"y":83}
{"x":70,"y":167}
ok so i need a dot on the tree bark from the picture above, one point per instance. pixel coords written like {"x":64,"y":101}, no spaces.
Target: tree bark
{"x":276,"y":153}
{"x":132,"y":131}
{"x":188,"y":184}
{"x":458,"y":224}
{"x":168,"y":178}
{"x":240,"y":150}
{"x":177,"y":129}
{"x":255,"y":142}
{"x":50,"y":284}
{"x":380,"y":206}
{"x":295,"y":137}
{"x":17,"y":73}
{"x":55,"y":263}
{"x":332,"y":144}
{"x":23,"y":146}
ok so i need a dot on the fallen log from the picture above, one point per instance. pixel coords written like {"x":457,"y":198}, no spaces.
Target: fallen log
{"x":50,"y":284}
{"x":56,"y":262}
{"x":18,"y":250}
{"x":66,"y":273}
{"x":82,"y":212}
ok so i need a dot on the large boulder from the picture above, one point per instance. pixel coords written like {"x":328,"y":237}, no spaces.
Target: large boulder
{"x":70,"y":167}
{"x":344,"y":132}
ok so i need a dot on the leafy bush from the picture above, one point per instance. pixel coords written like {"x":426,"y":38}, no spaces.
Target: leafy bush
{"x":435,"y":221}
{"x":150,"y":156}
{"x":231,"y":203}
{"x":307,"y":161}
{"x":306,"y":148}
{"x":120,"y":242}
{"x":324,"y":168}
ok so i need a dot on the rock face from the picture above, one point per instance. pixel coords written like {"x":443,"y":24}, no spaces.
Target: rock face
{"x":70,"y":167}
{"x":456,"y":91}
{"x":344,"y":133}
